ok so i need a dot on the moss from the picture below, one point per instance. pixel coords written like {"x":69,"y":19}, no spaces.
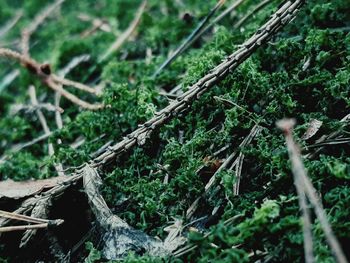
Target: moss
{"x":303,"y":72}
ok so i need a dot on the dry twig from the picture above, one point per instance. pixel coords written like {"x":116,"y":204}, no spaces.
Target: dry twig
{"x":43,"y":71}
{"x":126,"y":34}
{"x":198,"y":31}
{"x":305,"y":187}
{"x":38,"y":20}
{"x":9,"y":25}
{"x":38,"y":222}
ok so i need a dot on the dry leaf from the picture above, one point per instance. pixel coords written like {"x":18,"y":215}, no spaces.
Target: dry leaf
{"x":16,"y":190}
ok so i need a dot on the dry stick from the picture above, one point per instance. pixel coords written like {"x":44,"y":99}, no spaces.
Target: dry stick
{"x":58,"y":116}
{"x":255,"y":130}
{"x":14,"y":109}
{"x":182,"y":251}
{"x":9,"y":25}
{"x":305,"y":184}
{"x":335,"y":141}
{"x":305,"y":215}
{"x":69,"y":67}
{"x":44,"y":73}
{"x":18,"y":147}
{"x":38,"y":222}
{"x":126,"y":34}
{"x":194,"y":33}
{"x":22,"y":228}
{"x":306,"y":221}
{"x":8,"y":79}
{"x":38,"y":20}
{"x":41,"y":116}
{"x":282,"y":17}
{"x":256,"y":9}
{"x":77,"y":85}
{"x":20,"y":217}
{"x":191,"y":39}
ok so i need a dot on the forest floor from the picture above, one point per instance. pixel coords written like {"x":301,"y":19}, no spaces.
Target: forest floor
{"x":150,"y":131}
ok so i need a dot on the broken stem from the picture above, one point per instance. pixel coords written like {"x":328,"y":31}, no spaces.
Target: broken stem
{"x":304,"y":183}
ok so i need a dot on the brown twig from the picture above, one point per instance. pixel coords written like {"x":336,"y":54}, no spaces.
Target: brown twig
{"x":43,"y":71}
{"x":22,"y":228}
{"x":305,"y":186}
{"x":126,"y":34}
{"x":38,"y":222}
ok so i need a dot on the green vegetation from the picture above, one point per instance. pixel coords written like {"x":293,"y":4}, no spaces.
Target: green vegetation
{"x":303,"y":72}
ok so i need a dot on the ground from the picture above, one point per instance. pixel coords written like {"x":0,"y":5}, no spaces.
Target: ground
{"x":303,"y":72}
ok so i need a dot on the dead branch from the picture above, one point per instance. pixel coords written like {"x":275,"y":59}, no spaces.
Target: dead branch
{"x":126,"y":34}
{"x":139,"y":136}
{"x":29,"y":108}
{"x":304,"y":184}
{"x":23,"y":227}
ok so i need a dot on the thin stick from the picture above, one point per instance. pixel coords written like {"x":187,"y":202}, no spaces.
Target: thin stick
{"x":9,"y":25}
{"x":77,"y":85}
{"x":305,"y":183}
{"x":38,"y":20}
{"x":305,"y":215}
{"x":194,"y":33}
{"x":22,"y":228}
{"x":41,"y":117}
{"x":43,"y":71}
{"x":15,"y":216}
{"x":126,"y":34}
{"x":18,"y":147}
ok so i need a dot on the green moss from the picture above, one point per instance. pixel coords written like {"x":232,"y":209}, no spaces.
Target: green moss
{"x":303,"y":72}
